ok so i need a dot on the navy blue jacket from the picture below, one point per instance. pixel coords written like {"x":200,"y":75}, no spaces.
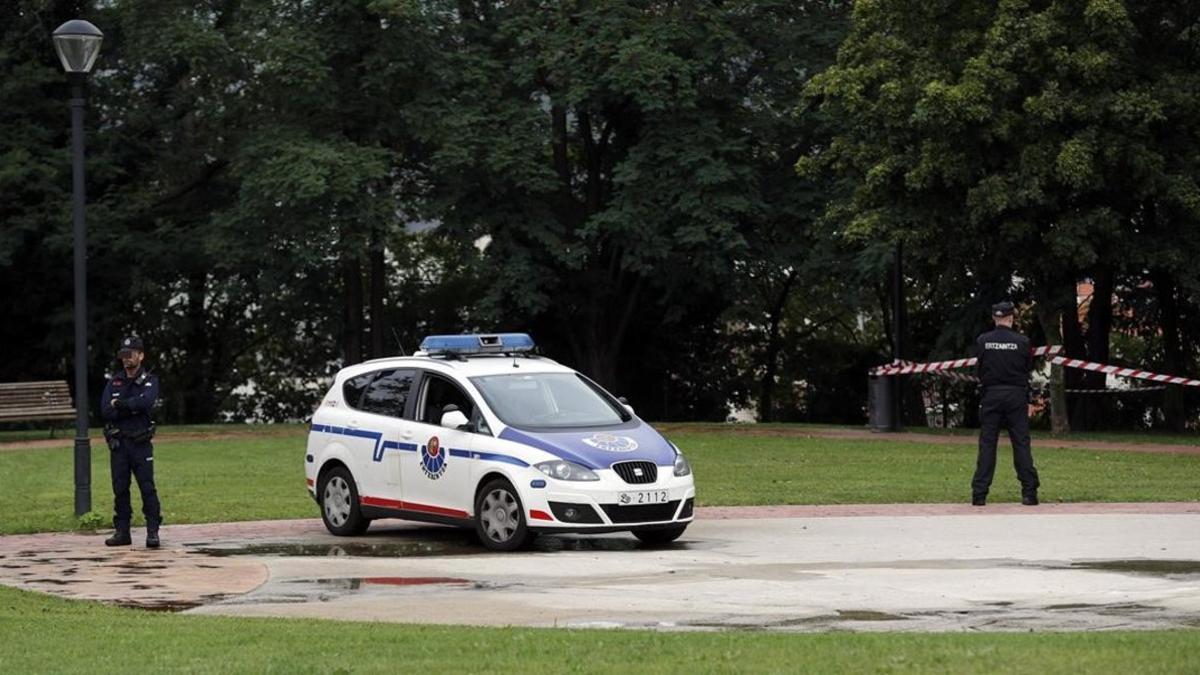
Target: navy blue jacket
{"x":1004,"y":358}
{"x":137,"y":395}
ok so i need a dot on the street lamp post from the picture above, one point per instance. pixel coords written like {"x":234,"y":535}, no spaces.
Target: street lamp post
{"x":78,"y":43}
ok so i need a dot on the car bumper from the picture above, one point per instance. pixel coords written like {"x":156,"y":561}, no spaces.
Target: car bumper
{"x":610,"y":504}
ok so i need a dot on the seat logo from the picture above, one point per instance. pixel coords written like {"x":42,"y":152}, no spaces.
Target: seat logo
{"x":610,"y":443}
{"x":433,"y":459}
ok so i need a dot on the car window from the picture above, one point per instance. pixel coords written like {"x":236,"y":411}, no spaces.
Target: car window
{"x":387,"y":394}
{"x":561,"y":400}
{"x":353,"y":388}
{"x":439,"y":393}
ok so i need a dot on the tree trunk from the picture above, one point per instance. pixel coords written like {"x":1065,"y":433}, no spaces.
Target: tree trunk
{"x":378,"y":297}
{"x":1075,"y":347}
{"x":1087,"y":410}
{"x":1168,"y":322}
{"x":1051,"y":319}
{"x":352,"y":309}
{"x":766,"y":393}
{"x":195,"y":393}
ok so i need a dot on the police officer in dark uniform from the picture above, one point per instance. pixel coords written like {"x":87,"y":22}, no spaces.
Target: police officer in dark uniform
{"x":1005,"y":360}
{"x":125,"y":406}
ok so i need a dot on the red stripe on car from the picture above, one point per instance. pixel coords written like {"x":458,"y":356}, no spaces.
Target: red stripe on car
{"x":413,"y":506}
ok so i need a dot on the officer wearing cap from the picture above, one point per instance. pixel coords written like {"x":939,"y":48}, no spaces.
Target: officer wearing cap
{"x":1005,"y":360}
{"x":125,"y":406}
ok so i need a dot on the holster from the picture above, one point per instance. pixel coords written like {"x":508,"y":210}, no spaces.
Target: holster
{"x":112,"y":436}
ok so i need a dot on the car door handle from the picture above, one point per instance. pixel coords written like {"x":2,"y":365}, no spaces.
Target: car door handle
{"x":353,"y":424}
{"x":406,"y":435}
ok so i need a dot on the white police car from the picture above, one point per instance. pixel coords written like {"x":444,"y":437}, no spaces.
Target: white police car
{"x":477,"y":431}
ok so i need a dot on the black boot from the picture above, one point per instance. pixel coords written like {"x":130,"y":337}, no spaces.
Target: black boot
{"x":978,"y":500}
{"x":120,"y":537}
{"x":1029,"y":499}
{"x":152,"y":536}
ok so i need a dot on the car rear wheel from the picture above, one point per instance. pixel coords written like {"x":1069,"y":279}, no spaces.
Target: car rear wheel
{"x":339,"y":504}
{"x":660,"y":537}
{"x":500,"y":517}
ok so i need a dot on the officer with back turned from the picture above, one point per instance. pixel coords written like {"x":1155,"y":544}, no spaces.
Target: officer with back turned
{"x":125,"y":406}
{"x":1005,"y":360}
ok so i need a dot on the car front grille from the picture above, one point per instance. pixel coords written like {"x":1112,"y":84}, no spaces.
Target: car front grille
{"x":646,"y":513}
{"x":636,"y":472}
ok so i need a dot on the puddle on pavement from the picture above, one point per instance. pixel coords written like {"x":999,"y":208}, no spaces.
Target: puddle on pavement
{"x":357,"y":583}
{"x":1164,"y":568}
{"x":160,"y":606}
{"x":458,"y":544}
{"x":866,"y":615}
{"x":394,"y":549}
{"x":547,"y":544}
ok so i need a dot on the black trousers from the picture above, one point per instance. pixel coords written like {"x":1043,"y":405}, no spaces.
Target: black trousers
{"x":136,"y":459}
{"x":1006,"y":407}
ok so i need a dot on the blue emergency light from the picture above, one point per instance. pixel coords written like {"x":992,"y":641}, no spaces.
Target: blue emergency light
{"x":501,"y":343}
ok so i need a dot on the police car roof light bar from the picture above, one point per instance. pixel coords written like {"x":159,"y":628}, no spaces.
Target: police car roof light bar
{"x":500,"y":343}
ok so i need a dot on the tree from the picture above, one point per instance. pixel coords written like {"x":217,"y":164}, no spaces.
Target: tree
{"x":1021,"y":138}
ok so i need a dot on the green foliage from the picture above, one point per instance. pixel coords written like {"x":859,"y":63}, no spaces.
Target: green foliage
{"x":1017,"y":147}
{"x":92,"y":520}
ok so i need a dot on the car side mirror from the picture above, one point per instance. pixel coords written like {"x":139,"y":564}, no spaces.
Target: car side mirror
{"x":625,"y":402}
{"x":454,"y":419}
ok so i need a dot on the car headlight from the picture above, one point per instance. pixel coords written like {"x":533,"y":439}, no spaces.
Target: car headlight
{"x":682,"y":468}
{"x":566,"y":470}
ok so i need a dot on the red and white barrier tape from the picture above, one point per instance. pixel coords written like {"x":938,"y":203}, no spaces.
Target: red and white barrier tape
{"x":1123,"y":372}
{"x":905,"y":368}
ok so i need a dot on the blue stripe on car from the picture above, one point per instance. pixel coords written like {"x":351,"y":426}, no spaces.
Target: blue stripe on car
{"x":511,"y":434}
{"x":381,"y":448}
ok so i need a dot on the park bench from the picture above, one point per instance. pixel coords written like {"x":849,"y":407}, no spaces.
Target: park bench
{"x":35,"y":401}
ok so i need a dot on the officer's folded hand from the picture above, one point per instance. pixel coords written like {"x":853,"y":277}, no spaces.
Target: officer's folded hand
{"x":116,"y":403}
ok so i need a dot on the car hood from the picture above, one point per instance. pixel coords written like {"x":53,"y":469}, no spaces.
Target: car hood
{"x":599,"y":449}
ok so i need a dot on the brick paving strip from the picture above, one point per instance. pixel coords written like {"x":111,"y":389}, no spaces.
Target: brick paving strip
{"x":79,"y":566}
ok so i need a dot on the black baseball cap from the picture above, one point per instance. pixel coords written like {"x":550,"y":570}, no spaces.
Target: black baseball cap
{"x":1002,"y":309}
{"x":131,"y":343}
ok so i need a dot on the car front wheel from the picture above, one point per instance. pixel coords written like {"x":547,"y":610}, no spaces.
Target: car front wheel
{"x":500,"y":517}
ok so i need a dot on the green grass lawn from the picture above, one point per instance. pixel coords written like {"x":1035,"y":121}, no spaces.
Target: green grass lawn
{"x":259,"y":475}
{"x":39,"y":633}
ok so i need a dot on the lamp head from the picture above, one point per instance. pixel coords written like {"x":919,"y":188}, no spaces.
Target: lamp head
{"x":78,"y":44}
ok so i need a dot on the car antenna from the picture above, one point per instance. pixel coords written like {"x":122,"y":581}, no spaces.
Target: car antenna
{"x":396,"y":337}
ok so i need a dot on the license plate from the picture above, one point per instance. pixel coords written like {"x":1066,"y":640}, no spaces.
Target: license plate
{"x":644,"y":497}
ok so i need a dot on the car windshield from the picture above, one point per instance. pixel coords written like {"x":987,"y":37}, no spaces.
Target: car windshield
{"x":548,"y":400}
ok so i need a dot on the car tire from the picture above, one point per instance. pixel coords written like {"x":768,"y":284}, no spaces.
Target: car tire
{"x":660,"y":537}
{"x":500,"y":517}
{"x":340,"y":509}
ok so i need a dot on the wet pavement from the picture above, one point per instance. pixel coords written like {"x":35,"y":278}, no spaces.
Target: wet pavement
{"x":871,"y":568}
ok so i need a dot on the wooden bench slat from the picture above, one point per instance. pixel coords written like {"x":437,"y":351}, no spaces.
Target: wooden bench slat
{"x":18,"y":386}
{"x":63,"y":414}
{"x":30,"y":411}
{"x":30,"y":401}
